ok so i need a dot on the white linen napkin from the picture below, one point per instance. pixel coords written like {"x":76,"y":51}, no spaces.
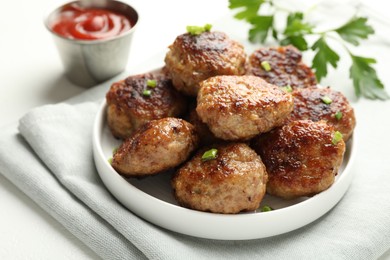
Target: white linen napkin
{"x":50,"y":159}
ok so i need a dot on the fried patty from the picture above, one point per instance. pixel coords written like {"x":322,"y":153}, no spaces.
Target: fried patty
{"x":285,"y":67}
{"x":234,"y":181}
{"x":128,"y":107}
{"x":302,"y":158}
{"x":241,"y":107}
{"x":194,"y":58}
{"x":324,"y":104}
{"x":157,"y":146}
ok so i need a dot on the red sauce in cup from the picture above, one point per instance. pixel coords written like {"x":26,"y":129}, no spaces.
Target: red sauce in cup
{"x":76,"y":22}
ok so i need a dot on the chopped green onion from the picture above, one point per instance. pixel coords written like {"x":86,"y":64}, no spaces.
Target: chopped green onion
{"x":114,"y":150}
{"x":210,"y":155}
{"x":207,"y":27}
{"x":327,"y":100}
{"x":338,"y":115}
{"x":266,"y":208}
{"x":147,"y":92}
{"x":110,"y":160}
{"x":152,"y":83}
{"x":266,"y":66}
{"x":337,"y":137}
{"x":287,"y":89}
{"x":196,"y":30}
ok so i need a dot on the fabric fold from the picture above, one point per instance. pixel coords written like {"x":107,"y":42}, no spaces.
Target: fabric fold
{"x":26,"y":171}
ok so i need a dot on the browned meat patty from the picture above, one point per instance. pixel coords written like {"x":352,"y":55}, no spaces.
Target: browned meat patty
{"x":301,"y":158}
{"x":234,"y":181}
{"x":241,"y":107}
{"x":324,"y":104}
{"x":157,"y":146}
{"x":285,"y":67}
{"x":128,"y":108}
{"x":193,"y":58}
{"x":205,"y":135}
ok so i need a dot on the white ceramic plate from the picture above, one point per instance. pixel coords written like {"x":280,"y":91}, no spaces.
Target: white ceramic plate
{"x":151,"y":198}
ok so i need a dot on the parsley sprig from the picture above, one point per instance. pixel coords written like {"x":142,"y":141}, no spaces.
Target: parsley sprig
{"x":296,"y":32}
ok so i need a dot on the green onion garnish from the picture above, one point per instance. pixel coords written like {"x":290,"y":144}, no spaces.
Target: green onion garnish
{"x":287,"y":89}
{"x":114,"y":150}
{"x":196,"y":30}
{"x":266,"y":66}
{"x":147,"y":92}
{"x":152,"y":83}
{"x":266,"y":208}
{"x":207,"y":27}
{"x":209,"y":155}
{"x":327,"y":100}
{"x":110,"y":160}
{"x":338,"y":115}
{"x":337,"y":137}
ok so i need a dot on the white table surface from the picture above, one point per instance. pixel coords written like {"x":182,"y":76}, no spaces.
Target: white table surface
{"x":31,"y":75}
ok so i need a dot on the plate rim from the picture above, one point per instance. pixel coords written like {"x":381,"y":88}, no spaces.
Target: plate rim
{"x":211,"y":225}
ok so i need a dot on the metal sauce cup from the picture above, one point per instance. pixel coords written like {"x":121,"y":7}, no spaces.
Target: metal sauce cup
{"x":89,"y":62}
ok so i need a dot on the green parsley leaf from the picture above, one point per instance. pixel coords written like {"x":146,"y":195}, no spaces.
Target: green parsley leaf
{"x":261,"y":25}
{"x":365,"y":79}
{"x":355,"y":30}
{"x":250,"y":8}
{"x":262,"y":15}
{"x":275,"y":33}
{"x":324,"y":56}
{"x":294,"y":16}
{"x":296,"y":26}
{"x":295,"y":30}
{"x":297,"y":41}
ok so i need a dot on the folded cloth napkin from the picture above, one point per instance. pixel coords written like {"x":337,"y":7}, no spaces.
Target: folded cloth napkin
{"x":49,"y":157}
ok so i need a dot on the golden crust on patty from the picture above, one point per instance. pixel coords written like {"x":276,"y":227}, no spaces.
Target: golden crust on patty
{"x":241,"y":107}
{"x":157,"y":146}
{"x":311,"y":103}
{"x":285,"y":67}
{"x":301,"y":157}
{"x":194,"y":58}
{"x":234,"y":181}
{"x":128,"y":108}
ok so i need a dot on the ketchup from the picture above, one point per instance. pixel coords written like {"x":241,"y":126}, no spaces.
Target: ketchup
{"x":76,"y":22}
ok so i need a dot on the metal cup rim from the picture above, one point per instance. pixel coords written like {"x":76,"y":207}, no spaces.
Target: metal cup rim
{"x":90,"y":42}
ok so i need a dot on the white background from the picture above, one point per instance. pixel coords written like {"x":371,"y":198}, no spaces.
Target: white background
{"x":31,"y":75}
